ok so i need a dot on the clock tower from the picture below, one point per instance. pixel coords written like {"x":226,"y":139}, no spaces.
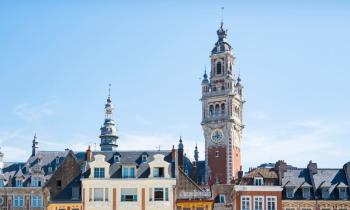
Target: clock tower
{"x":222,"y":105}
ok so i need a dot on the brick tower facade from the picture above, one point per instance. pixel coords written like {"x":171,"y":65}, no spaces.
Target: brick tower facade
{"x":222,"y":105}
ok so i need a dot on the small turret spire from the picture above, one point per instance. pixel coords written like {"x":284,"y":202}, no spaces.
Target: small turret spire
{"x":181,"y":146}
{"x":34,"y":145}
{"x":196,"y":153}
{"x":108,"y":130}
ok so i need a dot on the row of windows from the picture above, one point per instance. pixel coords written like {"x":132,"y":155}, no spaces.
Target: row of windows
{"x":143,"y":158}
{"x":220,"y":110}
{"x":128,"y":194}
{"x":128,"y":172}
{"x":258,"y":203}
{"x":18,"y":201}
{"x":324,"y":192}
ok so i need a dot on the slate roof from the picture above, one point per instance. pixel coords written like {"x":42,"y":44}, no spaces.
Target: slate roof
{"x":42,"y":161}
{"x":301,"y":177}
{"x":130,"y":158}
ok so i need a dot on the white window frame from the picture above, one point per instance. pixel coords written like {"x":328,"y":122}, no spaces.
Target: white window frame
{"x":249,"y":199}
{"x":19,"y":182}
{"x":128,"y":174}
{"x":260,"y":179}
{"x":222,"y":197}
{"x":289,"y":189}
{"x":262,"y":200}
{"x":18,"y":201}
{"x":304,"y":194}
{"x":37,"y":201}
{"x":267,"y":202}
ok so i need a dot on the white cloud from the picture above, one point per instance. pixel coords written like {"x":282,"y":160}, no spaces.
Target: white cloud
{"x":297,"y":143}
{"x":32,"y":113}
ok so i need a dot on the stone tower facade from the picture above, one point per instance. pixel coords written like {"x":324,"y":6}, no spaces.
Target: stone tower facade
{"x":222,"y":106}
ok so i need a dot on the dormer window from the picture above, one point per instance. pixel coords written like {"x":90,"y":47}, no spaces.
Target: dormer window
{"x":144,"y":158}
{"x":128,"y":171}
{"x":306,"y":192}
{"x":19,"y":183}
{"x":2,"y":183}
{"x":325,"y":192}
{"x":158,"y":172}
{"x":258,"y":181}
{"x":117,"y":158}
{"x":99,"y":172}
{"x":342,"y":193}
{"x":290,"y":192}
{"x":222,"y":198}
{"x":50,"y":169}
{"x":36,"y":182}
{"x":57,"y":160}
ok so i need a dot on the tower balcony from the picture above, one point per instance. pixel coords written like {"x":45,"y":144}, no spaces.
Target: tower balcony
{"x":218,"y":92}
{"x":217,"y":116}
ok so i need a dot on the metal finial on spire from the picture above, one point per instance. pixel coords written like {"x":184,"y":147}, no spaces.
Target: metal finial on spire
{"x":109,"y":90}
{"x":222,"y":16}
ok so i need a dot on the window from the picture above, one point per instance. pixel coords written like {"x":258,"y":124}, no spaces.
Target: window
{"x":218,"y":68}
{"x":217,"y":109}
{"x":57,"y":160}
{"x":342,"y":193}
{"x":50,"y":169}
{"x":150,"y":194}
{"x":99,"y":172}
{"x":289,"y":192}
{"x":166,"y":194}
{"x":325,"y":192}
{"x":75,"y":193}
{"x":271,"y":203}
{"x":18,"y":201}
{"x":306,"y":193}
{"x":144,"y":158}
{"x":98,"y":194}
{"x":258,"y":203}
{"x":36,"y":182}
{"x":116,"y":158}
{"x":211,"y":110}
{"x":159,"y":194}
{"x":216,"y":153}
{"x":19,"y":183}
{"x":128,"y":194}
{"x":245,"y":203}
{"x":1,"y":183}
{"x":128,"y":172}
{"x":222,"y":108}
{"x":158,"y":172}
{"x":37,"y":201}
{"x":258,"y":181}
{"x":59,"y":183}
{"x":222,"y":198}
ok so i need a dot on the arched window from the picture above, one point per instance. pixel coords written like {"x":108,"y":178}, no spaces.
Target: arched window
{"x":214,"y":88}
{"x":222,"y":87}
{"x":211,"y":110}
{"x":218,"y":68}
{"x":223,"y":108}
{"x":217,"y":109}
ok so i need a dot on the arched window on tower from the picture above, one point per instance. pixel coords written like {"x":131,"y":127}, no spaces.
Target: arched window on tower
{"x":217,"y":109}
{"x":211,"y":110}
{"x":218,"y":68}
{"x":222,"y":108}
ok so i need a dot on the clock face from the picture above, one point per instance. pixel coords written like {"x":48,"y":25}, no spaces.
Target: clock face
{"x":217,"y":135}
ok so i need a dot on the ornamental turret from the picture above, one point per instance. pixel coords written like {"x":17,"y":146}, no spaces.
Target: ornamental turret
{"x":35,"y":146}
{"x":108,"y":130}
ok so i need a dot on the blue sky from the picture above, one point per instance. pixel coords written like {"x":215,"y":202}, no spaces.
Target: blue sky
{"x":58,"y":57}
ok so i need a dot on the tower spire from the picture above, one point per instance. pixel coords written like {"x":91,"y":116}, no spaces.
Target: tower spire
{"x":222,"y":16}
{"x":108,"y":130}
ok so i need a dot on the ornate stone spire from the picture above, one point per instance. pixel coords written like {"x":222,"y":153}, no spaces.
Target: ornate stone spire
{"x":196,"y":153}
{"x":108,"y":130}
{"x":35,"y":146}
{"x":221,"y":45}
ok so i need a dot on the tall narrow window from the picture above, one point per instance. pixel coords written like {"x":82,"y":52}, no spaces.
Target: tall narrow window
{"x":258,"y":203}
{"x":222,"y":108}
{"x":99,"y":172}
{"x":245,"y":203}
{"x":217,"y":109}
{"x":271,"y":203}
{"x":211,"y":110}
{"x":218,"y":68}
{"x":222,"y":198}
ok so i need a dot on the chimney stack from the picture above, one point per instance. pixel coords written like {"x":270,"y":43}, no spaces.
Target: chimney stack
{"x":88,"y":155}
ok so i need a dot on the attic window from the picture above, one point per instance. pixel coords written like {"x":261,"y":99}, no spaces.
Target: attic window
{"x":57,"y":160}
{"x":158,"y":172}
{"x":258,"y":181}
{"x":306,"y":192}
{"x":144,"y":158}
{"x":116,"y":158}
{"x":289,"y":192}
{"x":342,"y":193}
{"x":325,"y":192}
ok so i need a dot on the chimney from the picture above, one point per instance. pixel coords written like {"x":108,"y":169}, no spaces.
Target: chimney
{"x":180,"y":156}
{"x":194,"y":172}
{"x":173,"y":154}
{"x":88,"y":155}
{"x":280,"y":168}
{"x":312,"y":167}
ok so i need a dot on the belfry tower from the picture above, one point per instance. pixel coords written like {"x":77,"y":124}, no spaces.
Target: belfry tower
{"x":222,"y":105}
{"x":108,"y":130}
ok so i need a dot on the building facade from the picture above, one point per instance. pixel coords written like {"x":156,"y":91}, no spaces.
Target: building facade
{"x":314,"y":188}
{"x":222,"y":108}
